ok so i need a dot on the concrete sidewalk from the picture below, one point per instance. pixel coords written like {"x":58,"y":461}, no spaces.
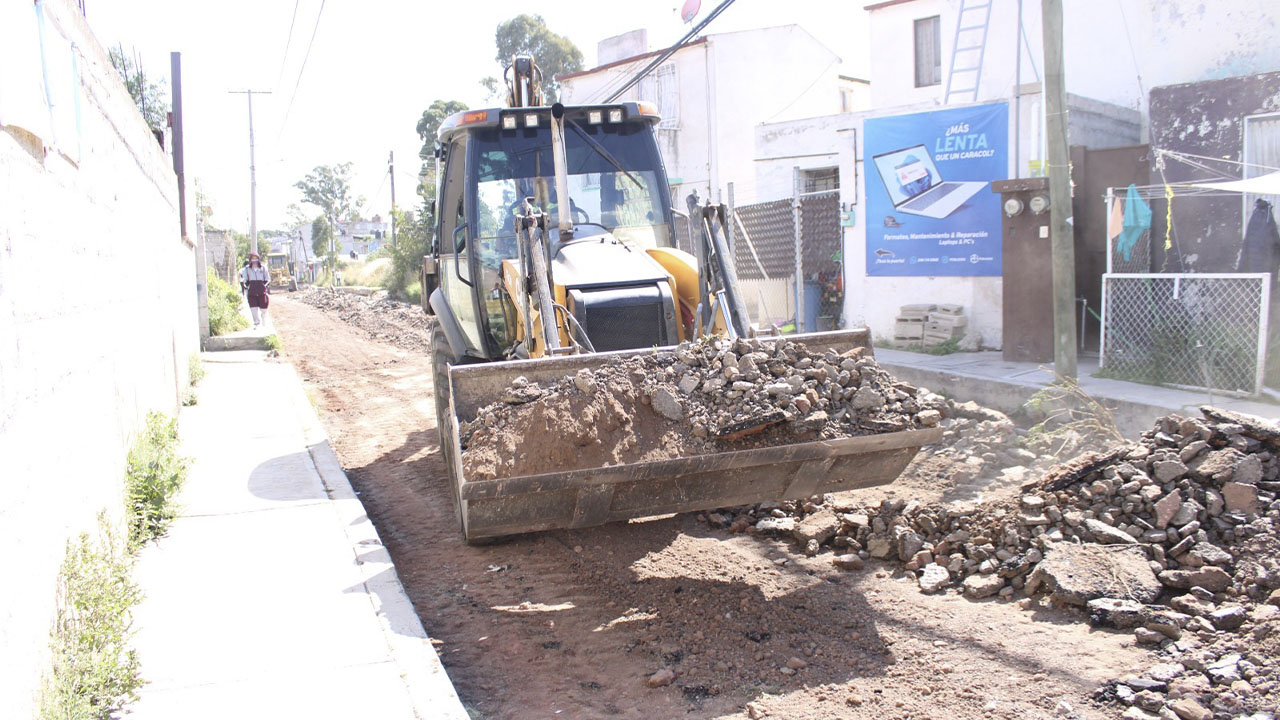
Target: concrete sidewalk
{"x":990,"y":380}
{"x":251,"y":338}
{"x":272,"y":595}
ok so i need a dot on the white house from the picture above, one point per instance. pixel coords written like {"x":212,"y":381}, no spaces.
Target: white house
{"x":1115,"y":52}
{"x":713,"y":92}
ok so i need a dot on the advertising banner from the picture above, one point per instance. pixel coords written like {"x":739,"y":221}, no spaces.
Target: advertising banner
{"x":930,"y":209}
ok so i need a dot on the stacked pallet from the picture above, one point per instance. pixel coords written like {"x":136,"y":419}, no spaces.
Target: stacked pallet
{"x":930,"y":325}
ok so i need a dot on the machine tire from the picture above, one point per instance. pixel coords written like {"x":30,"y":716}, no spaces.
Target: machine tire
{"x":440,"y":386}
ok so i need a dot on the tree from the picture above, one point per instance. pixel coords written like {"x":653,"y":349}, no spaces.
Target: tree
{"x":321,"y":234}
{"x":529,"y":35}
{"x":242,"y":248}
{"x":329,"y":188}
{"x":430,"y":123}
{"x":406,"y":255}
{"x":148,"y":94}
{"x":297,"y":216}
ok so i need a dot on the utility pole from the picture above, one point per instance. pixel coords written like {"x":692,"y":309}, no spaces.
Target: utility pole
{"x":391,"y":168}
{"x":253,"y":173}
{"x":1062,"y":240}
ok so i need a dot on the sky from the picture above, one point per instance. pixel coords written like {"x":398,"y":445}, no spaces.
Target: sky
{"x":372,"y":68}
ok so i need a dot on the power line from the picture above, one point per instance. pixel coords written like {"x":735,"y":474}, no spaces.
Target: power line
{"x":301,"y":70}
{"x":288,"y":42}
{"x":670,"y":51}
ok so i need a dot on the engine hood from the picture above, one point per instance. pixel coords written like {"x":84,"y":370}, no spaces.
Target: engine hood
{"x":603,"y":260}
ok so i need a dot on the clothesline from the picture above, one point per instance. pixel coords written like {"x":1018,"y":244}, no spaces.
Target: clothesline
{"x":1221,"y":184}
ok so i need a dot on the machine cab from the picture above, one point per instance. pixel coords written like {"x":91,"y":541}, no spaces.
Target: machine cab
{"x":491,"y":161}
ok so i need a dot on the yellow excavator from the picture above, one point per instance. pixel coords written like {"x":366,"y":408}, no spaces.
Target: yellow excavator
{"x":555,"y":250}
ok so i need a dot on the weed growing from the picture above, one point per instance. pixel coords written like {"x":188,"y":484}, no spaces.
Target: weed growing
{"x":155,"y":473}
{"x":224,"y":307}
{"x":195,"y":369}
{"x":93,"y":672}
{"x":273,"y":342}
{"x":1071,"y":417}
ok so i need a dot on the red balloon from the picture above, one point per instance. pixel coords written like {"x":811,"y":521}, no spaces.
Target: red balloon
{"x":690,"y":10}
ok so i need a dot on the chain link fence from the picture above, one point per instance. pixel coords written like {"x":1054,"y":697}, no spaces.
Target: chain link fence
{"x":1203,"y":330}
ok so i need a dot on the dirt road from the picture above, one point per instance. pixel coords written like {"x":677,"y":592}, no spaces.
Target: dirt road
{"x":571,"y":624}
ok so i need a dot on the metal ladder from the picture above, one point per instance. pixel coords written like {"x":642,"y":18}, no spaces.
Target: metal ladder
{"x":973,"y":19}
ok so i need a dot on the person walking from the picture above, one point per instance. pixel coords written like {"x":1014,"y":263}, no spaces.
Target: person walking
{"x":256,"y":278}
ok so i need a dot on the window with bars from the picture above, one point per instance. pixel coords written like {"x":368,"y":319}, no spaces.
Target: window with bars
{"x":928,"y":37}
{"x":668,"y":97}
{"x":821,"y":180}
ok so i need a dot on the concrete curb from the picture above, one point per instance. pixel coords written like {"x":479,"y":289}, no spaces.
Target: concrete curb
{"x":430,"y":690}
{"x":1133,"y":416}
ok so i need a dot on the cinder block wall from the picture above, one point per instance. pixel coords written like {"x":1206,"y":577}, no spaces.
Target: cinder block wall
{"x":97,"y":309}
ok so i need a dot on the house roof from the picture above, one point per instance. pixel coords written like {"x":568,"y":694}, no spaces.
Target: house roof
{"x":884,"y":4}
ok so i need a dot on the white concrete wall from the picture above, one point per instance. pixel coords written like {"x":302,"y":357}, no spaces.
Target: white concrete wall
{"x":97,"y":319}
{"x":760,"y":76}
{"x":1108,"y":45}
{"x":728,"y":85}
{"x":686,"y":150}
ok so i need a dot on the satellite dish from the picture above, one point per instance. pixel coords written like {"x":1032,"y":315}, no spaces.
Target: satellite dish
{"x":690,"y":10}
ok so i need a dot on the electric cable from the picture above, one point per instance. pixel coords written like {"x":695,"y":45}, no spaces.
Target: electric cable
{"x":301,"y":70}
{"x":288,"y":42}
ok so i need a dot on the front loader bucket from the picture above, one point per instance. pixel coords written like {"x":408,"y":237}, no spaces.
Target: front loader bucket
{"x":580,"y":498}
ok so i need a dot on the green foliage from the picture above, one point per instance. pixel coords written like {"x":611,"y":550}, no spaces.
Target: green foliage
{"x":943,"y":348}
{"x":244,"y":246}
{"x":428,"y":124}
{"x":195,"y":369}
{"x":224,"y":306}
{"x":273,"y":342}
{"x":529,"y":35}
{"x":93,"y":673}
{"x":430,"y":121}
{"x":148,"y":94}
{"x":406,"y":256}
{"x":328,"y":187}
{"x":153,"y":477}
{"x":321,"y":234}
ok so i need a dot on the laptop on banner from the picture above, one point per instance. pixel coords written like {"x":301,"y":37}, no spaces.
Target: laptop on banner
{"x":915,"y":186}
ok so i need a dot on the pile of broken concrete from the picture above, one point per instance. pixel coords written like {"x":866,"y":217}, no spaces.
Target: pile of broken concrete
{"x":1174,"y":538}
{"x":711,"y":395}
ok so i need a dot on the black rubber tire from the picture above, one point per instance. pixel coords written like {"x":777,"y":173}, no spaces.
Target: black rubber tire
{"x":439,"y":379}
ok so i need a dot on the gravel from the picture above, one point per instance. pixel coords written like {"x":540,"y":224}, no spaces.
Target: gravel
{"x":1174,"y":538}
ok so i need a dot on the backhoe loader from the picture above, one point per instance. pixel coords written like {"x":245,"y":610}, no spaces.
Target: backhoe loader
{"x":555,"y":251}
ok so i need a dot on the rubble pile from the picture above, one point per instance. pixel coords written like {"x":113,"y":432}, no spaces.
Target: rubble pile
{"x":1175,"y":538}
{"x":401,"y":324}
{"x":702,"y":396}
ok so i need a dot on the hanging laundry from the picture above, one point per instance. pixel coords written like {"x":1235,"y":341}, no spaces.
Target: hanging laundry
{"x":1115,"y":218}
{"x":1260,"y":241}
{"x":1137,"y":220}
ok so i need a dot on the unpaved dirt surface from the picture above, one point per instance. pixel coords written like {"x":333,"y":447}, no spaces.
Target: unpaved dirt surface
{"x":572,"y":624}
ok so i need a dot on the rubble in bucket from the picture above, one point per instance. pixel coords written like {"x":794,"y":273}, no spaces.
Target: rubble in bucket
{"x":1175,"y":539}
{"x":700,"y":397}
